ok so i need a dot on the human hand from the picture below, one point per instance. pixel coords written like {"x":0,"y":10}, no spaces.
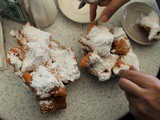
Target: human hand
{"x":142,"y":92}
{"x":113,"y":6}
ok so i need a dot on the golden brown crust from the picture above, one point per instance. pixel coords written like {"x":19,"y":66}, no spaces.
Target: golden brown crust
{"x":27,"y":77}
{"x":118,"y":63}
{"x":86,"y":47}
{"x":17,"y":51}
{"x":55,"y":92}
{"x":20,"y":42}
{"x":20,"y":37}
{"x":54,"y":99}
{"x":8,"y":60}
{"x":85,"y":61}
{"x":58,"y":91}
{"x":53,"y":105}
{"x":121,"y":47}
{"x":91,"y":26}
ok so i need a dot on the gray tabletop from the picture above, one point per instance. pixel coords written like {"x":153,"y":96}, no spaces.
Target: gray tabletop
{"x":87,"y":97}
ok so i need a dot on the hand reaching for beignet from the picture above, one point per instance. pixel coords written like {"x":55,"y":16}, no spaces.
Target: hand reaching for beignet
{"x":142,"y":92}
{"x":112,"y":7}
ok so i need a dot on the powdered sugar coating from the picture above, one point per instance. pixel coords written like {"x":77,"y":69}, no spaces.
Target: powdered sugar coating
{"x":103,"y":66}
{"x":14,"y":60}
{"x":48,"y":62}
{"x":44,"y":81}
{"x":100,"y":40}
{"x":152,"y":23}
{"x":46,"y":102}
{"x":103,"y":57}
{"x":33,"y":34}
{"x":119,"y":33}
{"x":129,"y":60}
{"x":65,"y":63}
{"x":37,"y":54}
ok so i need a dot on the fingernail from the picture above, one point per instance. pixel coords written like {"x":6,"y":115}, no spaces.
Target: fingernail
{"x":119,"y":73}
{"x":104,"y":18}
{"x":132,"y":67}
{"x":91,"y":19}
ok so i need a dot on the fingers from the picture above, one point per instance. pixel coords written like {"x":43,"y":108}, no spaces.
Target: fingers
{"x":127,"y":96}
{"x":130,"y":87}
{"x":133,"y":111}
{"x":93,"y":8}
{"x":133,"y":68}
{"x":113,"y":6}
{"x":132,"y":99}
{"x":136,"y":77}
{"x":139,"y":109}
{"x":104,"y":3}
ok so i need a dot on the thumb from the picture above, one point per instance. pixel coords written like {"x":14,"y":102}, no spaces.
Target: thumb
{"x":113,"y":6}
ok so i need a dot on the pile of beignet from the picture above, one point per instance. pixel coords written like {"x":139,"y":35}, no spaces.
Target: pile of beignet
{"x":106,"y":51}
{"x":44,"y":66}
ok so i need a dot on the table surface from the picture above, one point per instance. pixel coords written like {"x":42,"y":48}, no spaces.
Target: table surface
{"x":87,"y":97}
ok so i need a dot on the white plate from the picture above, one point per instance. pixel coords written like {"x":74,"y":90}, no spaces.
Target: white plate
{"x":130,"y":19}
{"x":70,"y":9}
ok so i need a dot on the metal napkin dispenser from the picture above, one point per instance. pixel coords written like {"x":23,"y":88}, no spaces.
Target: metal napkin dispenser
{"x":15,"y":10}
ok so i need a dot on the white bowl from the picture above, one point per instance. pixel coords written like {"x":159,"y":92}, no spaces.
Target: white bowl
{"x":130,"y":18}
{"x":70,"y":9}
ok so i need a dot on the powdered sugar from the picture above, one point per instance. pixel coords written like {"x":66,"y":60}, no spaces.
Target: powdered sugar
{"x":44,"y":81}
{"x":46,"y":102}
{"x":122,"y":67}
{"x":152,"y":22}
{"x":131,"y":59}
{"x":37,"y":54}
{"x":48,"y":62}
{"x":33,"y":34}
{"x":103,"y":66}
{"x":14,"y":60}
{"x":101,"y":61}
{"x":119,"y":33}
{"x":100,"y":40}
{"x":95,"y":58}
{"x":64,"y":61}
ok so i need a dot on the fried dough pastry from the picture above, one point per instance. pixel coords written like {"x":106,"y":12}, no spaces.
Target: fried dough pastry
{"x":53,"y":104}
{"x":44,"y":66}
{"x":121,"y":44}
{"x":151,"y":24}
{"x":107,"y":51}
{"x":98,"y":66}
